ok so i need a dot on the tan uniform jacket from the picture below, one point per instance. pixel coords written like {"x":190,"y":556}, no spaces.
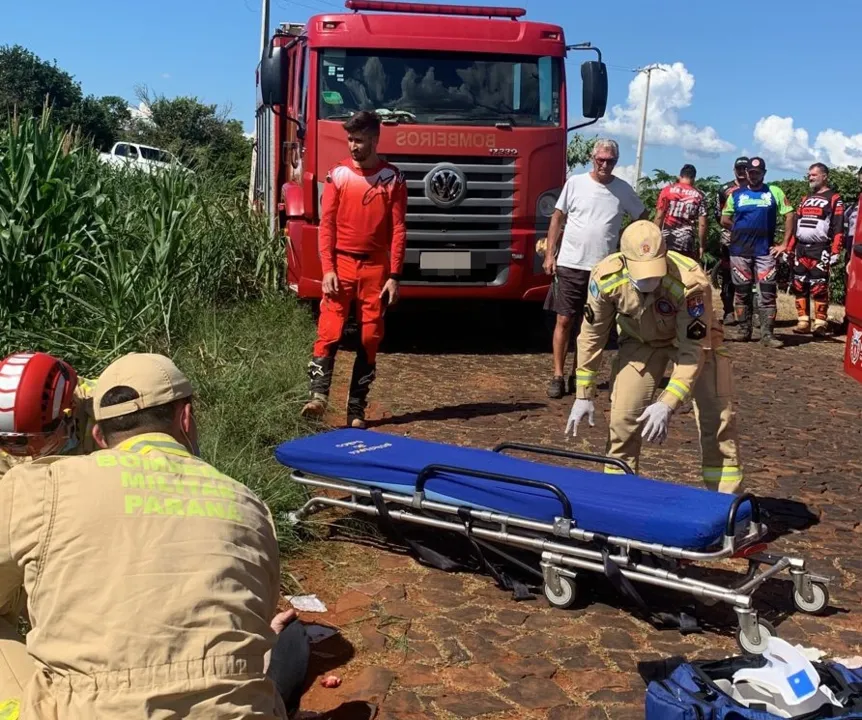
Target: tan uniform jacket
{"x":82,"y":430}
{"x":678,"y":314}
{"x":151,"y":581}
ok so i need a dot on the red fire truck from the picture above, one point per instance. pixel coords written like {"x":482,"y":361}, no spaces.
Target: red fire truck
{"x":853,"y":308}
{"x":473,"y":102}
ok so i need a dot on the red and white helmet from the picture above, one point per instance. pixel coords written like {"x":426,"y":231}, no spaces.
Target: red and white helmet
{"x":37,"y":395}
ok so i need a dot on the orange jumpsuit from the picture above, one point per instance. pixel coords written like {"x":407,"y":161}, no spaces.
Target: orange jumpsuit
{"x":362,"y":239}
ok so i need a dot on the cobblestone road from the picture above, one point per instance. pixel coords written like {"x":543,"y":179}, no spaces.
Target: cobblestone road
{"x":422,"y":643}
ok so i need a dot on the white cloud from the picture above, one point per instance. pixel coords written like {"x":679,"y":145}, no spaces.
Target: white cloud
{"x":671,"y":90}
{"x":626,"y":172}
{"x":166,"y":76}
{"x":788,"y":147}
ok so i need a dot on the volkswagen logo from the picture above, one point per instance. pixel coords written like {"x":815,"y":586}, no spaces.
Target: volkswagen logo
{"x":445,"y":185}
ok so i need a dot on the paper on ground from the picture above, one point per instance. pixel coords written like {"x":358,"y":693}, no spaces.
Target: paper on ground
{"x":306,"y":603}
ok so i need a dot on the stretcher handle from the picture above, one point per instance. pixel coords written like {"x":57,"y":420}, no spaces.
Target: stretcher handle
{"x":730,"y":530}
{"x":570,"y":454}
{"x":427,"y":472}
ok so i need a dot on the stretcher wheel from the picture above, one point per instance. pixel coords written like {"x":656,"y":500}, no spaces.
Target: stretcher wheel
{"x":567,"y":595}
{"x":818,"y":603}
{"x":751,"y":648}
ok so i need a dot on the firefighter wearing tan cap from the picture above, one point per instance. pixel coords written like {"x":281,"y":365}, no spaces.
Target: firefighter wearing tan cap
{"x":45,"y":409}
{"x":151,"y":577}
{"x":662,"y":304}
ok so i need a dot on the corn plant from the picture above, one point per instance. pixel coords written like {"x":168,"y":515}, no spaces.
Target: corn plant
{"x":96,"y":261}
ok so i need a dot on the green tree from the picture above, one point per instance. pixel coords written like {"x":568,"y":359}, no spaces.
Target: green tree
{"x":27,"y":81}
{"x":579,"y":150}
{"x":29,"y":84}
{"x":200,"y":134}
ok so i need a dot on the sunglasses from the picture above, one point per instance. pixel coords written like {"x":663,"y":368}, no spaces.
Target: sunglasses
{"x":605,"y":161}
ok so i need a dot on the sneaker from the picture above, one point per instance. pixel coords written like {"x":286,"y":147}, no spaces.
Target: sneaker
{"x":557,"y":387}
{"x":729,"y":319}
{"x":357,"y":423}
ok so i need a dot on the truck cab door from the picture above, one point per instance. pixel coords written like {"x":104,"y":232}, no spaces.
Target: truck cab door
{"x":853,"y":308}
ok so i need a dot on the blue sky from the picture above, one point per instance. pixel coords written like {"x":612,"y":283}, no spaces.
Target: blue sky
{"x":718,"y":96}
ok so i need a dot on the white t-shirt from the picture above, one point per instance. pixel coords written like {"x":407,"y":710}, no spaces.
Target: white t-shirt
{"x":594,"y":214}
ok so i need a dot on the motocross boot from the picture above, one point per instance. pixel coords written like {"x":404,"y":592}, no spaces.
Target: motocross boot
{"x":821,"y":321}
{"x":803,"y":324}
{"x":320,"y":379}
{"x":741,"y":332}
{"x":363,"y":376}
{"x":767,"y":322}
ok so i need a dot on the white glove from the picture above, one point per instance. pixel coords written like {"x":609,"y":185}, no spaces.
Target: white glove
{"x":833,"y":259}
{"x":579,"y":410}
{"x":657,"y":417}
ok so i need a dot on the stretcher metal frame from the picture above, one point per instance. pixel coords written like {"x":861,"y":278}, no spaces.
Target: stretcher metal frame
{"x":565,"y":549}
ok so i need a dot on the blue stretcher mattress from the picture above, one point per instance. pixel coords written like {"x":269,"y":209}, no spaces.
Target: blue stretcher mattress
{"x":627,"y":506}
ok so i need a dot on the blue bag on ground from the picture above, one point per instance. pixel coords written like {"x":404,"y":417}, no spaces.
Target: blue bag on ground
{"x":682,"y":690}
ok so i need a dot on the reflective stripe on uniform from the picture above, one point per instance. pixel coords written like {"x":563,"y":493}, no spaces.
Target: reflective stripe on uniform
{"x":678,"y":389}
{"x":614,"y":470}
{"x":681,"y":259}
{"x":728,"y":472}
{"x":585,"y":378}
{"x":722,"y":350}
{"x":9,"y":709}
{"x":614,"y":280}
{"x":676,"y":288}
{"x":147,"y":443}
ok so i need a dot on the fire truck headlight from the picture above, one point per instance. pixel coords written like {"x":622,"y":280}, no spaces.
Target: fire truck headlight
{"x":546,"y":203}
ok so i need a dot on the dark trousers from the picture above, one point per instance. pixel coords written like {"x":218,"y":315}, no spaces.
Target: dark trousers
{"x":288,"y":664}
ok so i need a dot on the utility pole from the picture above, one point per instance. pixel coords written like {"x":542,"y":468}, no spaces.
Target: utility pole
{"x":639,"y":162}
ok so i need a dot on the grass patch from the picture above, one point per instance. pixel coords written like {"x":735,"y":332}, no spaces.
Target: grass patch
{"x":247,"y":363}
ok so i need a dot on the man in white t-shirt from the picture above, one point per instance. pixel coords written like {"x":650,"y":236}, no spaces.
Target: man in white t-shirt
{"x":592,"y":206}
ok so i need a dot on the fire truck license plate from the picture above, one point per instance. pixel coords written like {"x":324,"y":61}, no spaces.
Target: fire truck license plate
{"x":444,"y":261}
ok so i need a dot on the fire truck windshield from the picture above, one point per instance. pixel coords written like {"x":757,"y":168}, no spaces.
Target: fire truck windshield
{"x":441,"y":88}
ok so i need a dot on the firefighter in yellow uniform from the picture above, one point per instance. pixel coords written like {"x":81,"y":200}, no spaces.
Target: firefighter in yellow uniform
{"x":151,"y":577}
{"x":662,"y":304}
{"x":45,"y":409}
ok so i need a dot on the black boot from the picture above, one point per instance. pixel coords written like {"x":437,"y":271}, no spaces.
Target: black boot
{"x":767,"y":322}
{"x":319,"y":380}
{"x":363,"y":376}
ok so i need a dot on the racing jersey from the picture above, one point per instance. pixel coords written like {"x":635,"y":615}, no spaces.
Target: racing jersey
{"x":819,"y":224}
{"x":721,"y":200}
{"x":363,"y":211}
{"x":681,"y":206}
{"x":755,"y":215}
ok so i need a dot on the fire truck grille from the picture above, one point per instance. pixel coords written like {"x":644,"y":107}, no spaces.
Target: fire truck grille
{"x":482,"y":219}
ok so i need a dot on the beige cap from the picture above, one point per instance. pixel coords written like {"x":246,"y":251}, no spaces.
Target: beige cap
{"x":155,"y":377}
{"x":644,"y":250}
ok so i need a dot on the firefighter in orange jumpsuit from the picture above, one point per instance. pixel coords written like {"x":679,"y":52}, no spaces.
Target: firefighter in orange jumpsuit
{"x":362,"y":241}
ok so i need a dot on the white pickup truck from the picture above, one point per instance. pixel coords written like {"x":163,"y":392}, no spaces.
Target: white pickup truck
{"x":137,"y":156}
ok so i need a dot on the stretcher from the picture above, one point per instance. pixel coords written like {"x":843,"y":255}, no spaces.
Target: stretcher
{"x":567,"y":521}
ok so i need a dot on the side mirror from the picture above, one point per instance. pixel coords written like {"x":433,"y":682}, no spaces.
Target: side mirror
{"x":273,"y":76}
{"x":594,"y":78}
